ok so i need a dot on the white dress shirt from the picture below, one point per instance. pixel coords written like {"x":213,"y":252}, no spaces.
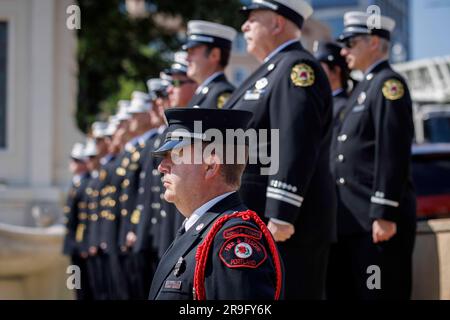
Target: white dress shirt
{"x":189,"y":222}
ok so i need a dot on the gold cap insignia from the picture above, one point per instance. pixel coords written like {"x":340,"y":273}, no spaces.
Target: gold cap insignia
{"x":302,"y":75}
{"x":393,"y":89}
{"x":222,"y":99}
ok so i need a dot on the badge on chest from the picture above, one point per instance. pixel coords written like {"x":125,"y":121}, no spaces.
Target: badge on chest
{"x":256,"y":92}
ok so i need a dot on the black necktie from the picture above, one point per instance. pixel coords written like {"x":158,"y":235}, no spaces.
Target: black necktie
{"x":181,"y":230}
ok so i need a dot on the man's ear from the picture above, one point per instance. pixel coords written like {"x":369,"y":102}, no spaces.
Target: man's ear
{"x":215,"y":55}
{"x":374,"y":42}
{"x":279,"y":24}
{"x":212,"y":167}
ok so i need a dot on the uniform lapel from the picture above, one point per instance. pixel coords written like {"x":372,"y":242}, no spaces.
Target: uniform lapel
{"x":363,"y":86}
{"x":184,"y":243}
{"x":261,"y":72}
{"x":197,"y":99}
{"x":247,"y":84}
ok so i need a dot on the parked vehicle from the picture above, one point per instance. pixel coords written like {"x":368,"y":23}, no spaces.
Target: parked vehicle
{"x":431,"y":177}
{"x":432,"y":123}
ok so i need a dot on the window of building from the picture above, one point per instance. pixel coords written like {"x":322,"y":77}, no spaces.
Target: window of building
{"x":336,"y":25}
{"x":3,"y":68}
{"x":239,"y":75}
{"x":240,"y":45}
{"x":321,"y":4}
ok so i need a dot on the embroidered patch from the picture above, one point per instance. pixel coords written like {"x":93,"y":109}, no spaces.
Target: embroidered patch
{"x":242,"y":231}
{"x":222,"y":99}
{"x":242,"y":252}
{"x":393,"y":89}
{"x":302,"y":75}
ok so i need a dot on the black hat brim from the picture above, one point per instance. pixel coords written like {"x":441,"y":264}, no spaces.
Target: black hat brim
{"x":169,"y":145}
{"x":192,"y":44}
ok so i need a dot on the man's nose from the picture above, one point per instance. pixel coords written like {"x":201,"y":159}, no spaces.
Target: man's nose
{"x":163,"y":167}
{"x":244,"y":27}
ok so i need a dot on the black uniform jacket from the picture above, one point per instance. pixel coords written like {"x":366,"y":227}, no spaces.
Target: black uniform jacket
{"x":239,"y":265}
{"x":373,"y":153}
{"x":290,"y":93}
{"x":71,"y":210}
{"x":214,"y":95}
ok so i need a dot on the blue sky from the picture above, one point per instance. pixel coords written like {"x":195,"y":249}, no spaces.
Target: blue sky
{"x":430,"y":28}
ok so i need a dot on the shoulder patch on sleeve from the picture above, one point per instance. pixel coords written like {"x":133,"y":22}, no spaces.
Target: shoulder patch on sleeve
{"x":222,"y":99}
{"x":242,"y":252}
{"x":302,"y":75}
{"x":393,"y":89}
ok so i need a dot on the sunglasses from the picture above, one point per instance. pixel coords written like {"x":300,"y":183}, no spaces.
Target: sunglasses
{"x":352,"y":42}
{"x":178,"y":83}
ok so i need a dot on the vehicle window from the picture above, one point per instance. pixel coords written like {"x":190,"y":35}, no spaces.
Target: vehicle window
{"x":437,"y":129}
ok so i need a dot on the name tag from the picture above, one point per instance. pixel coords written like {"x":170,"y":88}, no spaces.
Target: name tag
{"x":252,"y":95}
{"x":358,"y":108}
{"x":172,"y":285}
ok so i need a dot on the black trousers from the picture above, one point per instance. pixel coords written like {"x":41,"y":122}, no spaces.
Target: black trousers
{"x":351,"y":272}
{"x":138,"y":269}
{"x":305,"y":269}
{"x":85,"y":292}
{"x":97,"y":278}
{"x":116,"y":283}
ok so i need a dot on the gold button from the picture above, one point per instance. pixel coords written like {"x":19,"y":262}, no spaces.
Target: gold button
{"x":82,"y":216}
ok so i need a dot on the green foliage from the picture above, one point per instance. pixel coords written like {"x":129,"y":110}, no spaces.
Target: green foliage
{"x":117,"y":54}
